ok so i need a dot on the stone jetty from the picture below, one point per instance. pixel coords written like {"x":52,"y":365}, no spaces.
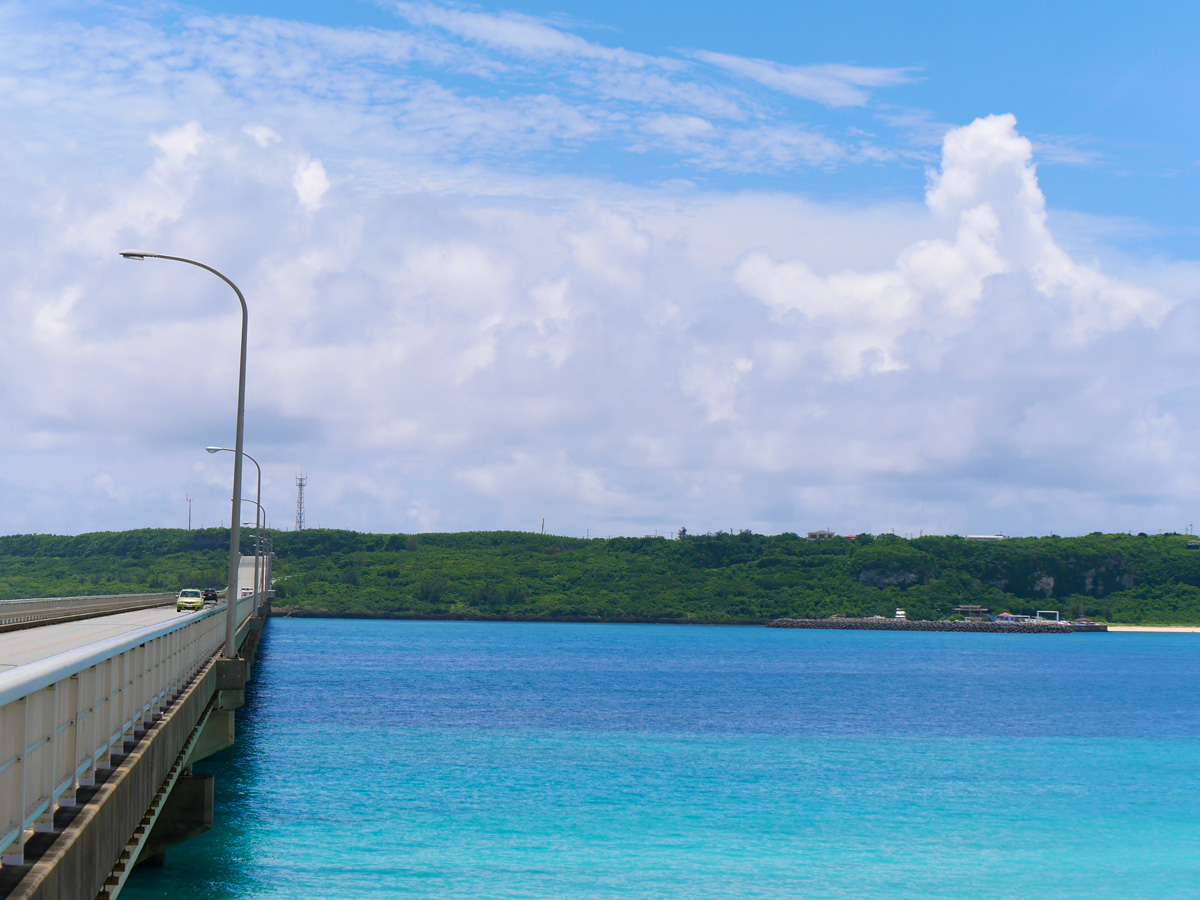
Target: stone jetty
{"x":882,"y":624}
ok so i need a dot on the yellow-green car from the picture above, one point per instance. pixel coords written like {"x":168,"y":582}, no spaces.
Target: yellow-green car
{"x":189,"y":600}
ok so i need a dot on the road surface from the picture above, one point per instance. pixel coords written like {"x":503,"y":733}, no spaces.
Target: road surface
{"x":30,"y":644}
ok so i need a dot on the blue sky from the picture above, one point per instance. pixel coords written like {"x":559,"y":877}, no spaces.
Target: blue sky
{"x":1106,"y":90}
{"x":625,"y":267}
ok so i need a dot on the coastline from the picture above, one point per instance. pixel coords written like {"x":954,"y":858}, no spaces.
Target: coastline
{"x":309,"y":612}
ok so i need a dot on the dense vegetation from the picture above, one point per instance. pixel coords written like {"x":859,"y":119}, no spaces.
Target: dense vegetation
{"x":712,"y":578}
{"x":120,"y":562}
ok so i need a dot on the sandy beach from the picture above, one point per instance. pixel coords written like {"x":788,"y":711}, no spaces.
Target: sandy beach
{"x":1182,"y":629}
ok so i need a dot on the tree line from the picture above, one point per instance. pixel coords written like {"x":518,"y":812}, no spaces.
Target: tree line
{"x":721,"y":577}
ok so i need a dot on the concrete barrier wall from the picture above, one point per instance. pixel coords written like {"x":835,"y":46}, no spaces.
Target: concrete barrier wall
{"x":16,"y":614}
{"x":82,"y":857}
{"x":132,"y":812}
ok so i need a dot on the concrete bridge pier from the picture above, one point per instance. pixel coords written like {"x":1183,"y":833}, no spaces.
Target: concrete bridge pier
{"x":187,"y":813}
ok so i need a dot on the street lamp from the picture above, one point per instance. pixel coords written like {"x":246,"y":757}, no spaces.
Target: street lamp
{"x":258,"y":551}
{"x":257,"y":503}
{"x":258,"y":543}
{"x":231,"y":604}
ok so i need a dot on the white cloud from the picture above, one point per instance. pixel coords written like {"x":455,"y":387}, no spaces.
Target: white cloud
{"x":177,"y":146}
{"x":445,"y":336}
{"x":714,"y":384}
{"x":262,"y":135}
{"x":1065,"y":150}
{"x":987,"y":192}
{"x":678,"y":128}
{"x":920,"y":126}
{"x":311,"y":183}
{"x":455,"y":85}
{"x":52,"y":318}
{"x":830,"y":85}
{"x":513,"y":32}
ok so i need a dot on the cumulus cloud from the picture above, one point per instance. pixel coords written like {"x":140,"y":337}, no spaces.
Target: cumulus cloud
{"x":986,"y":193}
{"x":461,"y":342}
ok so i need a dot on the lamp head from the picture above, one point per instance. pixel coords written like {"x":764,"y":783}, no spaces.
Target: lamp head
{"x":134,"y":254}
{"x":213,"y":449}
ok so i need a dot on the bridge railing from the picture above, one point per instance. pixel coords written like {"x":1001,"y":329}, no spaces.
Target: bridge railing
{"x":24,"y":612}
{"x":62,"y":717}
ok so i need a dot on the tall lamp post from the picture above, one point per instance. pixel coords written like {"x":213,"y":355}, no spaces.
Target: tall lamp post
{"x":230,"y":651}
{"x":258,"y":544}
{"x":257,"y":503}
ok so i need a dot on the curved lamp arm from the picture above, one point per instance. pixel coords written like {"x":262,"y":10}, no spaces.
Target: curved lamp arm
{"x":235,"y":519}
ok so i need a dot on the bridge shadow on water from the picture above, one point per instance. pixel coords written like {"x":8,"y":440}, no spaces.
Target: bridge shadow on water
{"x":217,"y":864}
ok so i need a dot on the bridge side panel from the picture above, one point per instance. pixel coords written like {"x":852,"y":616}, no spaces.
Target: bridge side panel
{"x":80,"y":861}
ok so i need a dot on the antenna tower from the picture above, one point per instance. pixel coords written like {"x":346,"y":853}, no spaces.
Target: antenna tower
{"x":301,"y":481}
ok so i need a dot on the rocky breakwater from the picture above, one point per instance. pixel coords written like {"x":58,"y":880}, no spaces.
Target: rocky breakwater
{"x":883,"y":624}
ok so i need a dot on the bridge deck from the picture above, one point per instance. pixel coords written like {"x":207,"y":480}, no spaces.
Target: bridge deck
{"x":100,"y":721}
{"x":31,"y":644}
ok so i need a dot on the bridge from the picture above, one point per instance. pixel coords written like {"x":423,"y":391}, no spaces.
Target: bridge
{"x":105,"y":704}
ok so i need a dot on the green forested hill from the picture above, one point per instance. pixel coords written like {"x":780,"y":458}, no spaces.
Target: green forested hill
{"x":116,"y":562}
{"x":717,"y":578}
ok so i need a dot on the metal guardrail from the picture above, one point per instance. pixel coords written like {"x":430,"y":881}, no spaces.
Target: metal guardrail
{"x":24,"y":612}
{"x":61,"y":717}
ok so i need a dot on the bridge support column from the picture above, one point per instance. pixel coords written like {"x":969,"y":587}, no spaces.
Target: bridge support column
{"x":215,"y":736}
{"x":231,"y":683}
{"x":188,"y":811}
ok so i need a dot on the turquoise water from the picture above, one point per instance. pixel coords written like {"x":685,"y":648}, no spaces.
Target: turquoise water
{"x":450,"y":759}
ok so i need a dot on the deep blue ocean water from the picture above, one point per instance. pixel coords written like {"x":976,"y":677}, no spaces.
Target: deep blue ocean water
{"x":505,"y":760}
